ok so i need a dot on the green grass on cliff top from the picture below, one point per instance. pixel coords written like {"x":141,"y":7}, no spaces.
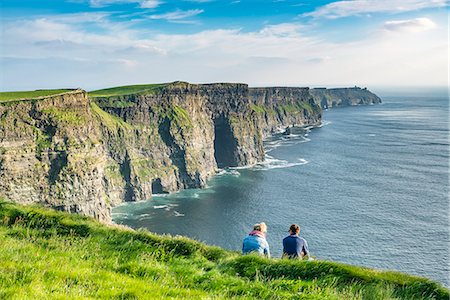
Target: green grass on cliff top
{"x":11,"y":96}
{"x":125,"y":90}
{"x":50,"y":255}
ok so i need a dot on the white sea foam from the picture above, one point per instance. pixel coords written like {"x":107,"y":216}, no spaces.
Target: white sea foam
{"x":231,"y":171}
{"x":177,"y":214}
{"x":160,"y":206}
{"x":325,"y":123}
{"x":119,"y":214}
{"x":144,"y":217}
{"x":160,"y":195}
{"x":221,"y":172}
{"x":235,"y":173}
{"x":274,"y":163}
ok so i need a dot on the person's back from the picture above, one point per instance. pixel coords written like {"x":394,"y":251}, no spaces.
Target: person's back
{"x":256,"y":241}
{"x":293,"y":245}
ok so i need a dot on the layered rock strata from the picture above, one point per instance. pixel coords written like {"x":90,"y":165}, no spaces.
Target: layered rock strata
{"x":51,"y":152}
{"x":85,"y":155}
{"x":328,"y":98}
{"x":281,"y":107}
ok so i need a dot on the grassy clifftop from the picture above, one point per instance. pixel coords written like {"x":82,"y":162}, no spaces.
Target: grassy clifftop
{"x":46,"y":254}
{"x":126,"y":90}
{"x":13,"y":96}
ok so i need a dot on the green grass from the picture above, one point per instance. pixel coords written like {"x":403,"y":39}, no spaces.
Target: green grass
{"x":65,"y":116}
{"x":12,"y":96}
{"x":180,"y":116}
{"x":126,"y":90}
{"x":110,"y":121}
{"x":46,"y":254}
{"x":258,"y":108}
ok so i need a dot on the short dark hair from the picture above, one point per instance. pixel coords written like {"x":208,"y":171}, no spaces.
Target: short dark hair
{"x":294,"y":228}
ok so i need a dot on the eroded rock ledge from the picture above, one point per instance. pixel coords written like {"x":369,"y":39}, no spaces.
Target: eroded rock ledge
{"x":86,"y":154}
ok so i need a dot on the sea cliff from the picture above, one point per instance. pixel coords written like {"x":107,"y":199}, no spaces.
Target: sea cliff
{"x":86,"y":153}
{"x":328,"y":98}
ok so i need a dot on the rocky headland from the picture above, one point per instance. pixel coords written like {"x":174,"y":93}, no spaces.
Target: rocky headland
{"x":86,"y":153}
{"x":328,"y":98}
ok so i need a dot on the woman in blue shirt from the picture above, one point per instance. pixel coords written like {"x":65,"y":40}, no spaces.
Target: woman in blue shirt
{"x":256,"y":241}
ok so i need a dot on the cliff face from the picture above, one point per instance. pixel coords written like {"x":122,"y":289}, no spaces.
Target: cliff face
{"x":281,"y":107}
{"x":328,"y":98}
{"x":178,"y":135}
{"x":85,"y":155}
{"x":51,"y":153}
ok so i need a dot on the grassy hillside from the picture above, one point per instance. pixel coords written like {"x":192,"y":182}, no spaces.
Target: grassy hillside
{"x":46,"y":254}
{"x":11,"y":96}
{"x":125,"y":90}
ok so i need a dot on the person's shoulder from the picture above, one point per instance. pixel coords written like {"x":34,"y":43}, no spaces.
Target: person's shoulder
{"x":291,"y":237}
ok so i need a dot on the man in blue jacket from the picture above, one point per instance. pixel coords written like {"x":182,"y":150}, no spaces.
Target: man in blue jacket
{"x":256,"y":241}
{"x":295,"y":247}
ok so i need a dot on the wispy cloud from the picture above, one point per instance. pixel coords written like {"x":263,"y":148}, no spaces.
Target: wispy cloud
{"x":141,"y":3}
{"x":281,"y":54}
{"x":199,"y":1}
{"x":413,"y":25}
{"x":150,"y":3}
{"x":177,"y":16}
{"x":347,"y":8}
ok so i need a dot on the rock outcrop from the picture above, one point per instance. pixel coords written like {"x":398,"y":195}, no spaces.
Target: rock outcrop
{"x":328,"y":98}
{"x":281,"y":107}
{"x":51,"y":152}
{"x":85,"y":154}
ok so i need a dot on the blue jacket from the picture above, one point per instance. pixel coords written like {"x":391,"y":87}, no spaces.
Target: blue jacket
{"x":293,"y":245}
{"x":255,"y":243}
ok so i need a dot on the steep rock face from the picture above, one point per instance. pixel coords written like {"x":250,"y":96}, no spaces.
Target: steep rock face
{"x":328,"y":98}
{"x":199,"y":127}
{"x":86,"y":155}
{"x":281,"y":107}
{"x":51,"y":153}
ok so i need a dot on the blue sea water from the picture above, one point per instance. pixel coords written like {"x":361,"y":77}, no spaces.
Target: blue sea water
{"x":370,"y":187}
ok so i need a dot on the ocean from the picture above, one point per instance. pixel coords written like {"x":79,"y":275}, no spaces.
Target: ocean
{"x":369,"y":187}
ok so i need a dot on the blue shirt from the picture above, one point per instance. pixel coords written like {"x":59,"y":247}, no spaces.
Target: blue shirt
{"x":293,"y":245}
{"x":254,"y":243}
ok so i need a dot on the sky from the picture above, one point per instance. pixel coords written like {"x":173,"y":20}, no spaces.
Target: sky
{"x":96,"y":44}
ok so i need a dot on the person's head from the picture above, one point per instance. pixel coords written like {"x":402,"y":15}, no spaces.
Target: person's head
{"x":294,"y":229}
{"x":260,"y":227}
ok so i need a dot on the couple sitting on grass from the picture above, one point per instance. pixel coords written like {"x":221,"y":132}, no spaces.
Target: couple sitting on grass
{"x":294,"y":247}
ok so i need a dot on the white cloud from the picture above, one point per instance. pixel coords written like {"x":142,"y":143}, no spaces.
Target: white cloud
{"x":142,"y":3}
{"x":413,"y":25}
{"x":347,"y":8}
{"x":177,"y":15}
{"x":199,"y":1}
{"x":150,"y":3}
{"x":57,"y":51}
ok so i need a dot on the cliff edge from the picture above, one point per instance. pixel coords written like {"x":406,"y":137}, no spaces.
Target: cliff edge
{"x":87,"y":152}
{"x":328,"y":98}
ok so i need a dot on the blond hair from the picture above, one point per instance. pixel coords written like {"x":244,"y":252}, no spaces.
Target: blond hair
{"x":260,"y":227}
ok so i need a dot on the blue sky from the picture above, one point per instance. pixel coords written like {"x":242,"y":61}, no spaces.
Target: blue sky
{"x":101,"y":43}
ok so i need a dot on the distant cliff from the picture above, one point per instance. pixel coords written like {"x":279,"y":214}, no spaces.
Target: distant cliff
{"x":86,"y":154}
{"x":281,"y":107}
{"x":328,"y":98}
